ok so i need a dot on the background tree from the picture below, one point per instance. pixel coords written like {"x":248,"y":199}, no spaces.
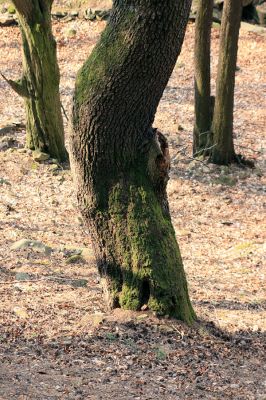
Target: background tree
{"x":222,"y":126}
{"x":39,"y":84}
{"x":203,"y":101}
{"x":121,"y":163}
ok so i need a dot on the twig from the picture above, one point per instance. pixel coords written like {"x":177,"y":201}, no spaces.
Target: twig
{"x":249,"y":148}
{"x":204,"y":150}
{"x":196,"y":159}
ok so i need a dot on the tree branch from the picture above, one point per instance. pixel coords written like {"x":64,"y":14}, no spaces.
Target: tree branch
{"x":18,"y":86}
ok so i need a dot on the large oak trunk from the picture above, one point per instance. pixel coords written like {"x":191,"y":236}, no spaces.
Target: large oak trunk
{"x":40,"y":82}
{"x":121,"y":163}
{"x":222,"y":125}
{"x":203,"y":100}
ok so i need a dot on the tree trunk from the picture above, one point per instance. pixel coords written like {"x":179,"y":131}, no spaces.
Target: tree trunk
{"x":222,"y":125}
{"x":40,"y":82}
{"x":121,"y":163}
{"x":203,"y":100}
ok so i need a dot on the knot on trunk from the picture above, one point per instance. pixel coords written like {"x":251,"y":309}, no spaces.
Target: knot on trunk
{"x":159,"y":166}
{"x":159,"y":160}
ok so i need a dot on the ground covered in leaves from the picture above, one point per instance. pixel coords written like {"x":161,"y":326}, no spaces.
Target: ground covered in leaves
{"x":56,"y":339}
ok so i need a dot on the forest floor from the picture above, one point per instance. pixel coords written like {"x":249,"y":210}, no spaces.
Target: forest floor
{"x":57,"y":341}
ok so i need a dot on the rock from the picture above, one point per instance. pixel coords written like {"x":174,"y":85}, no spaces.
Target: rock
{"x":4,"y":182}
{"x":21,"y":312}
{"x":249,"y":10}
{"x":53,"y":167}
{"x":142,"y":316}
{"x":74,"y":13}
{"x":40,"y":156}
{"x":79,"y":283}
{"x":59,"y":14}
{"x":74,"y":259}
{"x":93,"y":14}
{"x":193,"y":164}
{"x":33,"y":244}
{"x":70,"y":32}
{"x":6,"y":142}
{"x":90,"y":15}
{"x":8,"y":20}
{"x":145,"y":307}
{"x":22,"y":276}
{"x":226,"y":180}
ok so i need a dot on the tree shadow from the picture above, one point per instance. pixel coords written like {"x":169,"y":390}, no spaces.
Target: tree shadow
{"x":232,"y":305}
{"x":135,"y":358}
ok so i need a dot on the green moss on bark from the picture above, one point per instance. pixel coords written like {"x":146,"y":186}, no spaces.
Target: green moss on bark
{"x":146,"y":251}
{"x":107,"y":56}
{"x":41,"y":77}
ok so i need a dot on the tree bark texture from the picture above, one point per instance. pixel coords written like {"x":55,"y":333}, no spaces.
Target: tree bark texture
{"x":121,"y":163}
{"x":203,"y":100}
{"x":40,"y":81}
{"x":222,"y":125}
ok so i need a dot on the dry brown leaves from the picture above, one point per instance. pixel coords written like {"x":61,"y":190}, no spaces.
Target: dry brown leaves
{"x":56,"y":339}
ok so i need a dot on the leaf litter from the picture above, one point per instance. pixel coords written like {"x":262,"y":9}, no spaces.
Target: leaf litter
{"x":57,"y":340}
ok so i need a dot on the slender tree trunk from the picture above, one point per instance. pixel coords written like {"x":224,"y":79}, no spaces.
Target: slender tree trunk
{"x":203,"y":100}
{"x":40,"y":82}
{"x":121,"y":163}
{"x":222,"y":125}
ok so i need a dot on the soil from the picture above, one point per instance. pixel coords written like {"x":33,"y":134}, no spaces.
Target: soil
{"x":57,"y":340}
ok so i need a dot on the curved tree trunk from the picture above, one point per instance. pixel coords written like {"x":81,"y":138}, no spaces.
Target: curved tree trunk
{"x":222,"y":125}
{"x":40,"y":82}
{"x":121,"y":164}
{"x":203,"y":100}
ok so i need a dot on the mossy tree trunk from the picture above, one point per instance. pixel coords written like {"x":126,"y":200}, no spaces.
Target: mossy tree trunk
{"x":39,"y":84}
{"x":222,"y":125}
{"x":203,"y":100}
{"x":121,"y":163}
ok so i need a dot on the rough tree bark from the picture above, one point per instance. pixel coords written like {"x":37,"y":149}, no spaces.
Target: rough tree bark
{"x":203,"y":99}
{"x":222,"y":125}
{"x":39,"y":84}
{"x":121,"y":163}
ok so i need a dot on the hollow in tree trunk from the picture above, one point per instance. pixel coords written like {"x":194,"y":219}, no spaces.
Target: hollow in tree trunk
{"x":39,"y":84}
{"x":222,"y":124}
{"x":203,"y":100}
{"x":121,"y":163}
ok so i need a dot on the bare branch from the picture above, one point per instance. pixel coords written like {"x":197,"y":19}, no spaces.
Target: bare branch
{"x":18,"y":86}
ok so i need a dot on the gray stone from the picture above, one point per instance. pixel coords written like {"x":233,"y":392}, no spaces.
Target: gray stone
{"x":40,"y":156}
{"x":33,"y":244}
{"x":22,"y":276}
{"x":74,"y":13}
{"x":59,"y":14}
{"x":79,"y":283}
{"x":4,"y":182}
{"x":74,"y":259}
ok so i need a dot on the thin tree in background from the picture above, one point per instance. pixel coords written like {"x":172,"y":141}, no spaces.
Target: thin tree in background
{"x":223,"y":151}
{"x":39,"y":85}
{"x":203,"y":99}
{"x":121,"y":163}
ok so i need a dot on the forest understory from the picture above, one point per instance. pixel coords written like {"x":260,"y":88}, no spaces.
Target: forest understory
{"x":57,"y":341}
